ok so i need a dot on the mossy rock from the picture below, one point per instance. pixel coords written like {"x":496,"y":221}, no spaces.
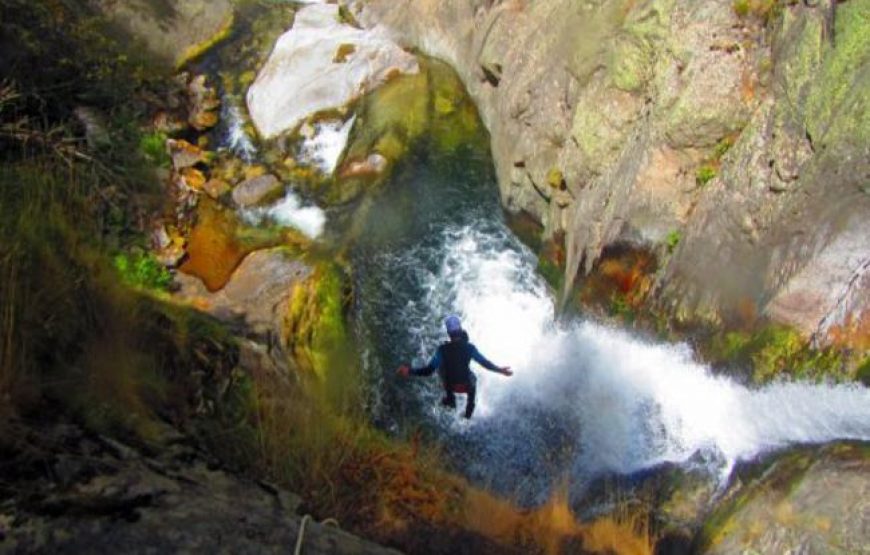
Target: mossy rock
{"x":314,"y":325}
{"x":431,"y":105}
{"x":773,"y":351}
{"x":837,"y":106}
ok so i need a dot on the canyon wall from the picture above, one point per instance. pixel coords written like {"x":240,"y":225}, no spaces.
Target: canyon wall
{"x":731,"y":138}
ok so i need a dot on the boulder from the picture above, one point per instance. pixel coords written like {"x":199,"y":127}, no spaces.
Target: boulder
{"x":257,"y":190}
{"x":805,"y":502}
{"x":184,"y":154}
{"x":99,"y":495}
{"x":174,"y":31}
{"x":257,"y":293}
{"x":304,"y":75}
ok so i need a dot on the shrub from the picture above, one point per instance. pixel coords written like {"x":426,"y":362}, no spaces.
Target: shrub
{"x":142,"y":270}
{"x":152,"y":146}
{"x":741,"y":7}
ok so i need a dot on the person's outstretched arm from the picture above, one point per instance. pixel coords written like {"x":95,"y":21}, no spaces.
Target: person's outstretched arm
{"x":483,"y":361}
{"x":430,"y":368}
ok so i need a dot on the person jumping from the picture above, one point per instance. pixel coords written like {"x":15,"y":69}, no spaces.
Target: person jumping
{"x":451,"y":360}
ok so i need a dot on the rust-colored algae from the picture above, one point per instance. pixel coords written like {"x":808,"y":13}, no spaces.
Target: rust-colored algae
{"x":214,"y":251}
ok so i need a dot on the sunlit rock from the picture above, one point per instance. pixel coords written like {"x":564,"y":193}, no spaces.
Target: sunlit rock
{"x":184,"y":154}
{"x":301,"y":77}
{"x":255,"y":190}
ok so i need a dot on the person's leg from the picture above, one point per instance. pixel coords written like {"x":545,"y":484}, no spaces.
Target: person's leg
{"x":472,"y":395}
{"x":449,"y":399}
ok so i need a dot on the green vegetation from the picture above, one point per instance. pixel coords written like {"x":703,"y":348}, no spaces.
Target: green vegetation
{"x":862,"y":374}
{"x":142,"y":270}
{"x":621,"y":308}
{"x":672,"y":240}
{"x":775,"y":351}
{"x":710,"y":168}
{"x":722,"y":147}
{"x":153,"y":148}
{"x":552,"y":272}
{"x":764,"y":10}
{"x":705,"y":174}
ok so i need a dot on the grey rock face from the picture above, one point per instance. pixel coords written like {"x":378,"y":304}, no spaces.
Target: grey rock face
{"x":630,"y":100}
{"x":100,"y":496}
{"x":256,"y":190}
{"x":799,"y":506}
{"x":172,"y":30}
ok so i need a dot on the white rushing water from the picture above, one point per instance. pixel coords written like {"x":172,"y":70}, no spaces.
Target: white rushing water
{"x":235,"y":135}
{"x":324,"y":147}
{"x":634,"y":404}
{"x":289,"y":211}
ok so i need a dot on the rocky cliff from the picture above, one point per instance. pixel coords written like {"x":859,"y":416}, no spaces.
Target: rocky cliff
{"x":729,"y":137}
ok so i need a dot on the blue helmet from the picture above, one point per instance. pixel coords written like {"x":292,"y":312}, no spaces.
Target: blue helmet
{"x":453,"y":324}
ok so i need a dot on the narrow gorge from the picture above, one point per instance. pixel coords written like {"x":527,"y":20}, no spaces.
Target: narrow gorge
{"x":226,"y":224}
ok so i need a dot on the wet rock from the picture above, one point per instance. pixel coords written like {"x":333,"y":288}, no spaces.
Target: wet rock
{"x":204,"y":103}
{"x":805,"y":502}
{"x":168,"y":245}
{"x":173,"y":32}
{"x":373,"y":164}
{"x":184,"y":154}
{"x":168,"y":123}
{"x":303,"y":75}
{"x":257,"y":190}
{"x":216,"y":188}
{"x":192,"y":178}
{"x":257,"y":293}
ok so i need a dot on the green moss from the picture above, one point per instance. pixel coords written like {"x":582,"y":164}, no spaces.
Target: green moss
{"x":555,"y":178}
{"x":621,"y":308}
{"x":839,"y":99}
{"x":705,"y":174}
{"x":672,"y":240}
{"x":197,"y":50}
{"x":722,"y":147}
{"x":630,"y":65}
{"x":741,"y":7}
{"x":862,"y":373}
{"x":314,"y":325}
{"x":551,"y":272}
{"x":775,"y":351}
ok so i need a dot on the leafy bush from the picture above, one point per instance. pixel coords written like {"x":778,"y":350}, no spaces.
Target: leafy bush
{"x":741,"y":7}
{"x":152,"y":146}
{"x":143,"y":270}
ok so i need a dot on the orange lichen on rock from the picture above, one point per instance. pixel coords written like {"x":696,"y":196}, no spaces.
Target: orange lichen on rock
{"x":213,"y":250}
{"x":853,"y":333}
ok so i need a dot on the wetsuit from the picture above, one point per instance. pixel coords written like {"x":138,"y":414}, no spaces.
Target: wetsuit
{"x":452,"y":360}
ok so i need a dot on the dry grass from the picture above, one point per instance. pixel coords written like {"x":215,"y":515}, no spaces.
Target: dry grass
{"x":554,"y":529}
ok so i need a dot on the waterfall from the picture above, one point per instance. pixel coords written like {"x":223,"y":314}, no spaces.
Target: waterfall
{"x":614,"y":402}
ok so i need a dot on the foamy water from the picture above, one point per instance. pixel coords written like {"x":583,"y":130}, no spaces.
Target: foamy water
{"x":324,"y":148}
{"x":289,"y":211}
{"x":632,"y":404}
{"x":235,"y":135}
